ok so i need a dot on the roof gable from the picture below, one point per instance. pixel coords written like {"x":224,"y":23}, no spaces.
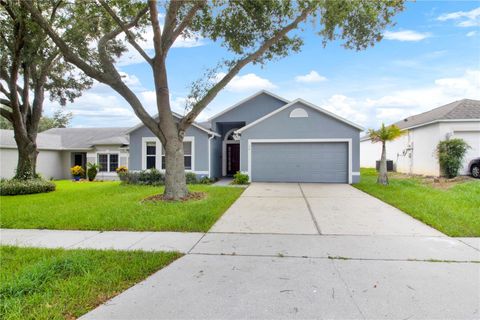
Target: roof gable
{"x":178,"y":116}
{"x":242,"y":102}
{"x":304,"y":103}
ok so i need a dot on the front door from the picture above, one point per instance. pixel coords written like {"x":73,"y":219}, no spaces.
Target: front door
{"x":233,"y":158}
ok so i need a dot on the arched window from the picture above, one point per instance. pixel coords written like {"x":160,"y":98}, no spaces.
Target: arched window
{"x":230,"y":135}
{"x":298,"y":113}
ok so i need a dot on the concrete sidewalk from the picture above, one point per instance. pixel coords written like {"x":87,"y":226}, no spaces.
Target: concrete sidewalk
{"x":118,"y":240}
{"x":231,"y":276}
{"x":256,"y":287}
{"x":405,"y":248}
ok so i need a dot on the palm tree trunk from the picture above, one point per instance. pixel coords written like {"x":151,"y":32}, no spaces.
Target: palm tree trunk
{"x":382,"y":174}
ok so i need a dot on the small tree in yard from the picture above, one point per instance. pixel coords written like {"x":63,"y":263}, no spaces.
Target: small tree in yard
{"x":31,"y":65}
{"x":450,"y":155}
{"x":383,"y":135}
{"x":254,"y":31}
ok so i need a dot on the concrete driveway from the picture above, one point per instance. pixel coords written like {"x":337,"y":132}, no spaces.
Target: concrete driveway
{"x":334,"y":209}
{"x":310,"y":251}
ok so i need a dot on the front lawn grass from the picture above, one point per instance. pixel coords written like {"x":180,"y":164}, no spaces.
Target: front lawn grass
{"x":454,"y":211}
{"x":111,"y":206}
{"x":65,"y":284}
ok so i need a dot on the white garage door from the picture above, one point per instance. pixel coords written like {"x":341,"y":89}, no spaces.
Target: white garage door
{"x":473,"y":140}
{"x":300,"y":162}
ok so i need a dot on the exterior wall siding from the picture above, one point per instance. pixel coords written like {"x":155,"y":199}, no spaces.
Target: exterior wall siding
{"x":251,"y":110}
{"x":316,"y":126}
{"x":49,"y":163}
{"x":216,"y":157}
{"x":200,"y":151}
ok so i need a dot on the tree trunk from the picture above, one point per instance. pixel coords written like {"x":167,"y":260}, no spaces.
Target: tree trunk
{"x":175,"y":182}
{"x":27,"y":158}
{"x":382,"y":175}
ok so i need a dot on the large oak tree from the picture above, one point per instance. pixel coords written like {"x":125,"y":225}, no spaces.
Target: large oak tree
{"x":254,"y":31}
{"x":31,"y":65}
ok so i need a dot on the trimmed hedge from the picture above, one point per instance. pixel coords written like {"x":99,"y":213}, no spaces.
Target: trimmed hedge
{"x":17,"y":187}
{"x":154,"y":177}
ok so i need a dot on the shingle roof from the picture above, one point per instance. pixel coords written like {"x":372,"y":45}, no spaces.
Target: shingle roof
{"x":71,"y":138}
{"x":462,"y":109}
{"x":44,"y":141}
{"x":80,"y":138}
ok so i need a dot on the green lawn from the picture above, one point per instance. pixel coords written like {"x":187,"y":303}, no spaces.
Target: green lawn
{"x":65,"y":284}
{"x":455,"y":211}
{"x":111,"y":206}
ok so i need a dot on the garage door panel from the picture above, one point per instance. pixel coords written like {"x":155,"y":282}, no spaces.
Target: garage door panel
{"x":300,"y":162}
{"x":472,"y":138}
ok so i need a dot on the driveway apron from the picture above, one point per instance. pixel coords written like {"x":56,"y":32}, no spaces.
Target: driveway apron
{"x":309,"y":251}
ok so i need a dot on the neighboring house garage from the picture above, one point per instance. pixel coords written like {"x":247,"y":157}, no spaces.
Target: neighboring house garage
{"x":300,"y":142}
{"x":415,"y":152}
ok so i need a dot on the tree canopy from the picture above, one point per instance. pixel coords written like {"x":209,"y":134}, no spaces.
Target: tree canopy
{"x":253,"y":31}
{"x":31,"y":65}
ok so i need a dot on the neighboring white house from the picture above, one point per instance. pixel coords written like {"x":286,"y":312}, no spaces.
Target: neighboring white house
{"x":415,"y":152}
{"x":62,"y":148}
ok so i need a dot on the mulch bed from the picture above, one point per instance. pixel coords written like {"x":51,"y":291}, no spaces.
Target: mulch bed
{"x":435,"y":182}
{"x":191,"y":196}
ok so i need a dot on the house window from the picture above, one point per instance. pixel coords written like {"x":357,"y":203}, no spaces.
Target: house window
{"x":187,"y":155}
{"x":113,"y":165}
{"x":151,"y":155}
{"x":108,"y":162}
{"x":103,"y":162}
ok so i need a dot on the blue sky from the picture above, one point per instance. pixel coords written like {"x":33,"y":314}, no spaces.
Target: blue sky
{"x":429,"y":58}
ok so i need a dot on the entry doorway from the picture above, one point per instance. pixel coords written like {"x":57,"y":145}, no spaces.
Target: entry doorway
{"x":230,"y":154}
{"x":233,"y":158}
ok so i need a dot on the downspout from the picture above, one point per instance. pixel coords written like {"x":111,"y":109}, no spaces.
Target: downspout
{"x":210,"y":155}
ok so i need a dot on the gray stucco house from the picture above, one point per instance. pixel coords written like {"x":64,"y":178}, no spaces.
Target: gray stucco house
{"x":266,"y":136}
{"x":62,"y":148}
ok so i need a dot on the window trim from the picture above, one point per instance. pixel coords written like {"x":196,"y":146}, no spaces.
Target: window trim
{"x":108,"y":153}
{"x":158,"y":152}
{"x":146,"y":140}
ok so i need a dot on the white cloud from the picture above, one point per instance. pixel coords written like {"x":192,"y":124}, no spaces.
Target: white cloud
{"x":345,"y":107}
{"x":471,"y":33}
{"x":130,"y":80}
{"x":247,"y":82}
{"x":403,"y":103}
{"x":310,"y":77}
{"x":406,"y":35}
{"x":389,"y":115}
{"x":463,"y":18}
{"x":149,"y":100}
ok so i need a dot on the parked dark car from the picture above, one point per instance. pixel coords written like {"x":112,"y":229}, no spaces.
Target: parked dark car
{"x":474,"y":166}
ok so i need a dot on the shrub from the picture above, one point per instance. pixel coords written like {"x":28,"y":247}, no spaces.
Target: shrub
{"x":15,"y":187}
{"x":205,"y":180}
{"x":92,"y":170}
{"x":145,"y":177}
{"x":77,"y":171}
{"x":450,"y":155}
{"x":240,"y":178}
{"x":191,"y":178}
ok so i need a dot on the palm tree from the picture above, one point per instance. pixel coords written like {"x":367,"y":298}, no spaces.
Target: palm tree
{"x":383,"y":135}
